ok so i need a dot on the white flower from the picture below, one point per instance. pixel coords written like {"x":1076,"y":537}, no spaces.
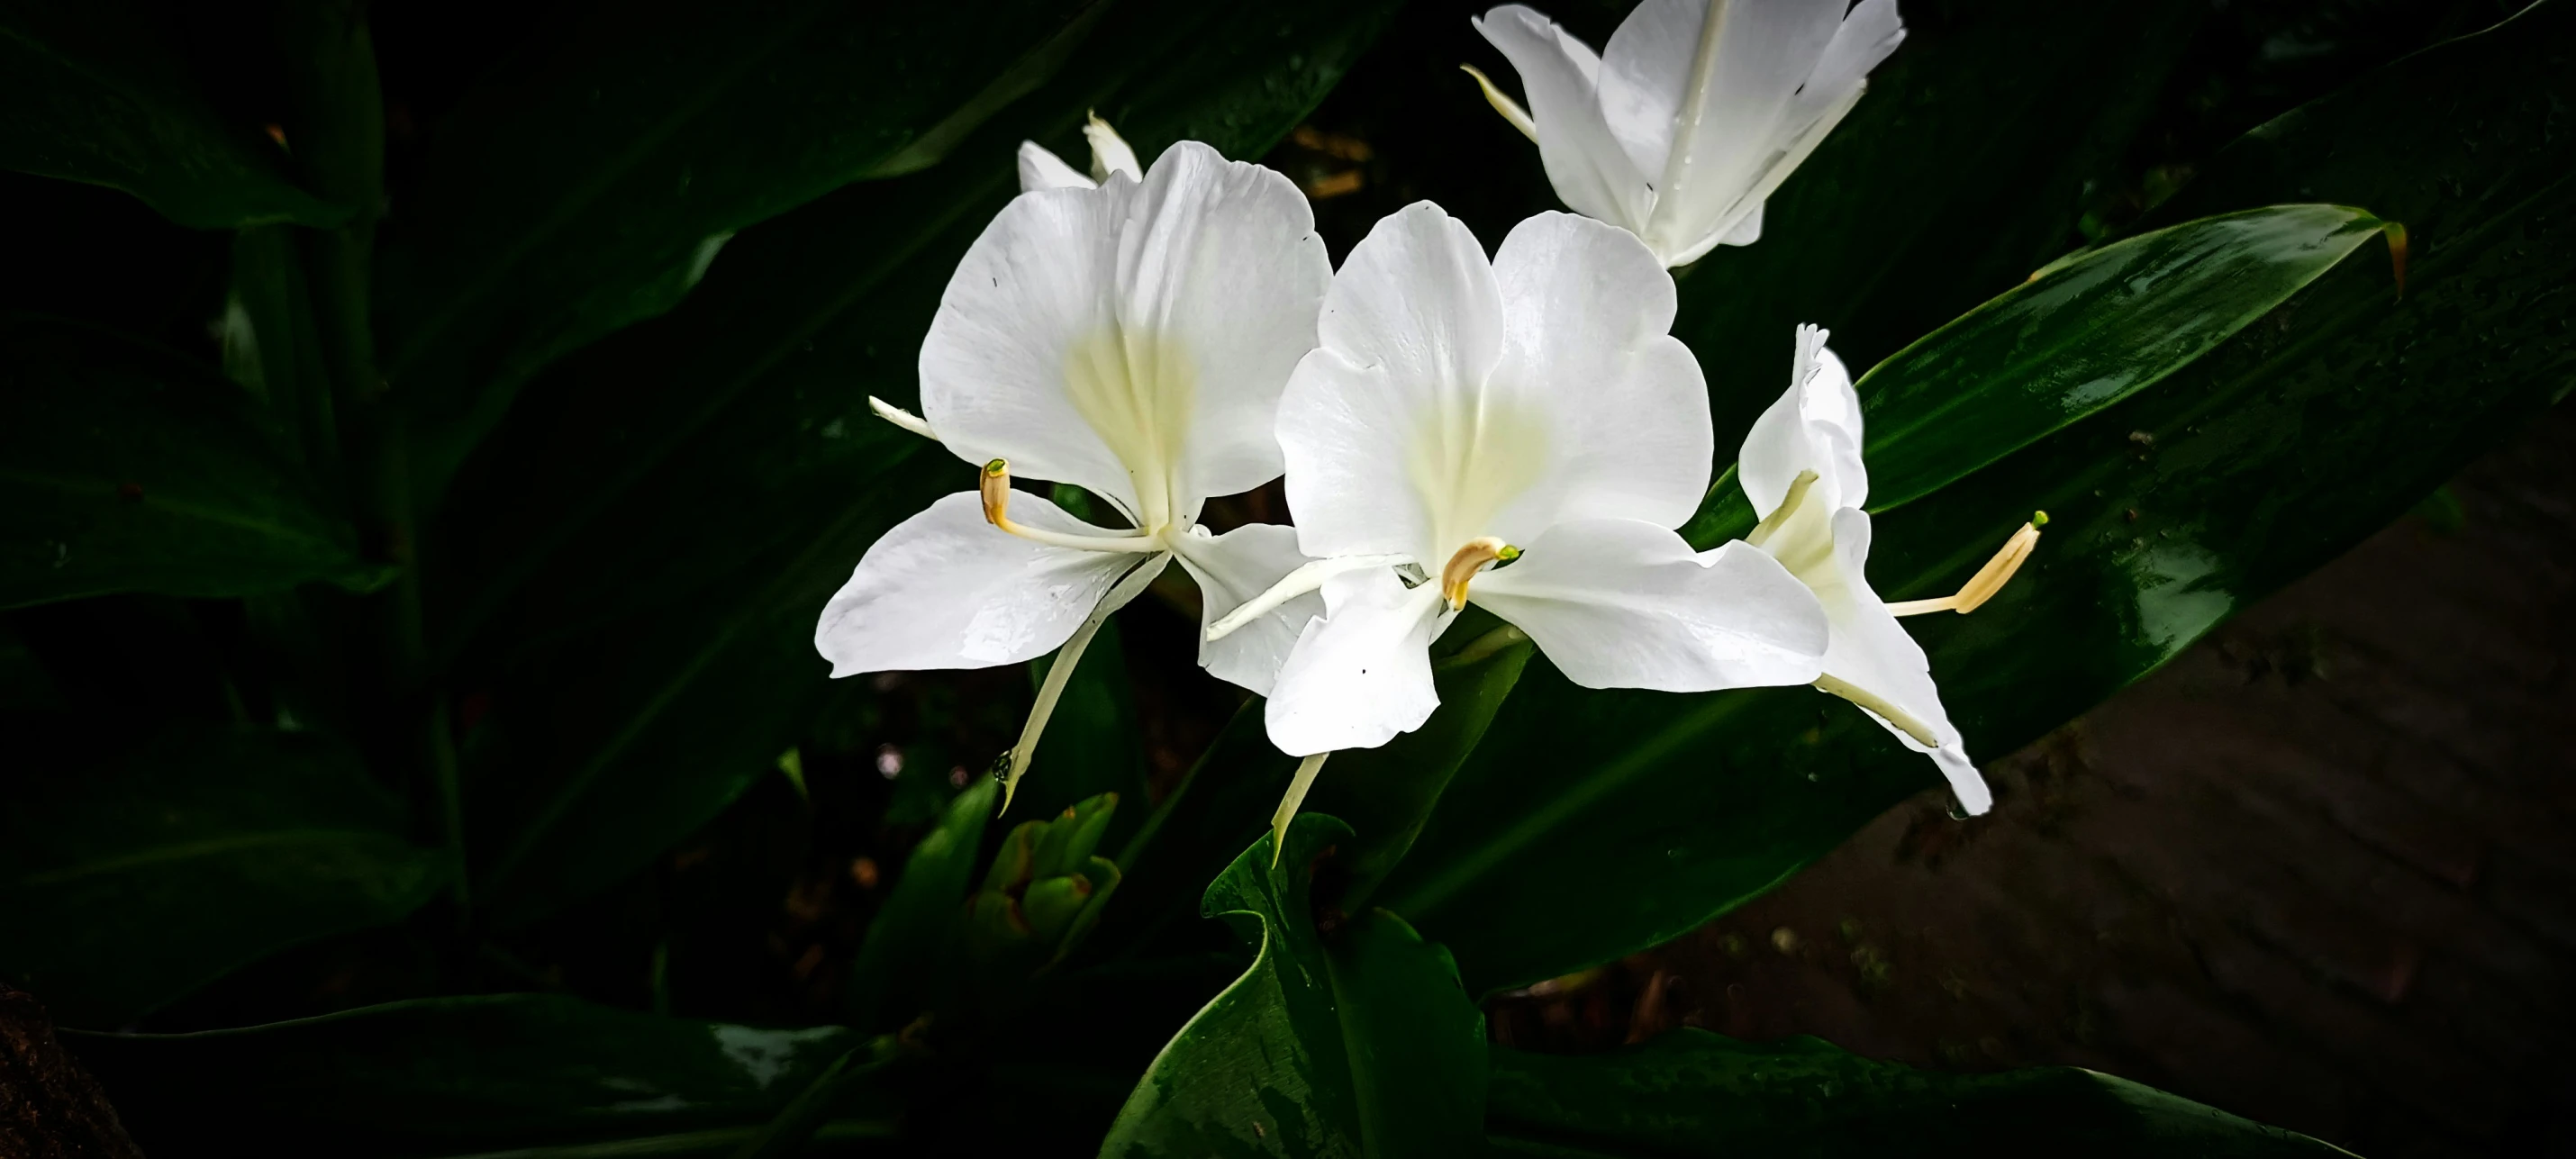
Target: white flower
{"x":1040,"y":169}
{"x":1801,"y":468}
{"x":1531,"y":413}
{"x":1697,"y":111}
{"x":1131,"y":339}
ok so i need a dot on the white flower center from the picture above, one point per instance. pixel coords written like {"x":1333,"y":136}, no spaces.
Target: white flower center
{"x":1138,"y":390}
{"x":1469,"y":459}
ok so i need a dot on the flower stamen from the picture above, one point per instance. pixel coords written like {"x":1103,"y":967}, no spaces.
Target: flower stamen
{"x":1509,"y":108}
{"x":1472,"y":558}
{"x":994,"y":484}
{"x":1988,"y":580}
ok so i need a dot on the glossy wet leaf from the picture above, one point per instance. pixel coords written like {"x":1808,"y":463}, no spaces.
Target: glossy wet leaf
{"x":131,"y":880}
{"x":1692,"y":1093}
{"x":590,"y":186}
{"x":2170,"y":511}
{"x":1353,"y":1042}
{"x":911,"y":935}
{"x":126,"y":468}
{"x":451,"y":1075}
{"x":96,"y":91}
{"x":740,"y":422}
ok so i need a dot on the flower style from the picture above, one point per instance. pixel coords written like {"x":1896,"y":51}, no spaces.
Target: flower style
{"x":1523,"y":433}
{"x":1131,"y":339}
{"x":1694,"y":114}
{"x":1801,"y":468}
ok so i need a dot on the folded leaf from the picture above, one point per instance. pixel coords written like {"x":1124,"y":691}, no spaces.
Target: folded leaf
{"x":2169,"y":511}
{"x":445,"y":1075}
{"x":1353,"y":1042}
{"x":1695,"y":1093}
{"x":125,"y":468}
{"x":96,"y":91}
{"x":127,"y":884}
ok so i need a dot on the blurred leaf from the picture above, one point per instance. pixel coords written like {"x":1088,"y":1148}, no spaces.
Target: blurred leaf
{"x":95,"y":91}
{"x":449,"y":1074}
{"x":912,"y":933}
{"x":2264,"y":459}
{"x":589,"y":186}
{"x":1695,"y":1093}
{"x":1348,"y":1042}
{"x":125,"y":468}
{"x":204,"y":849}
{"x":740,"y":423}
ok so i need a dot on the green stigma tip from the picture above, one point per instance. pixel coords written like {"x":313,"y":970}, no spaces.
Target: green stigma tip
{"x":997,"y":466}
{"x":2039,"y":519}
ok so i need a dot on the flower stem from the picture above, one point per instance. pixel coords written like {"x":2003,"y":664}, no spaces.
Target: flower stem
{"x":1288,"y":805}
{"x":1060,"y":671}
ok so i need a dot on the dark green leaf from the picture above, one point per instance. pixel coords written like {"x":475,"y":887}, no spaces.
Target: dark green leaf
{"x":125,"y":468}
{"x":740,"y":423}
{"x":130,"y":884}
{"x":911,"y":935}
{"x":95,"y":91}
{"x":1346,"y":1043}
{"x":1695,"y":1093}
{"x":590,"y":187}
{"x":813,"y":1108}
{"x":2171,"y":510}
{"x":455,"y":1074}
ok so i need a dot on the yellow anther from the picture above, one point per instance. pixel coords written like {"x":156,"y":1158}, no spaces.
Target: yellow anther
{"x":995,"y":486}
{"x":1480,"y":551}
{"x":1988,"y":580}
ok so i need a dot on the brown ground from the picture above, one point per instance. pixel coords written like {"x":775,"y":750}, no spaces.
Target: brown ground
{"x":2320,"y":871}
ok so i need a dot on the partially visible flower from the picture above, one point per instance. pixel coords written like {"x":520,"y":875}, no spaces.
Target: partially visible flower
{"x":1130,"y":339}
{"x":1801,"y":468}
{"x":1040,"y":169}
{"x":1523,"y":433}
{"x":1697,"y":111}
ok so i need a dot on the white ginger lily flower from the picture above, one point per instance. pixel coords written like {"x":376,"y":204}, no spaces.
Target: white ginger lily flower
{"x":1697,"y":111}
{"x":1801,"y":468}
{"x":1131,"y":339}
{"x":1530,"y":412}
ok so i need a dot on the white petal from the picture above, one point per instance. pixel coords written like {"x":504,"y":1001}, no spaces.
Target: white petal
{"x":1133,"y":338}
{"x":945,"y":589}
{"x":1814,"y":426}
{"x":1965,"y":782}
{"x":1110,"y":152}
{"x":1616,"y":603}
{"x":1411,"y":329}
{"x":1588,"y":166}
{"x":1360,"y":676}
{"x":1232,"y":568}
{"x":1746,"y":230}
{"x":1041,"y":169}
{"x":1746,"y":115}
{"x":1645,"y":72}
{"x":1870,"y":649}
{"x":1623,"y":406}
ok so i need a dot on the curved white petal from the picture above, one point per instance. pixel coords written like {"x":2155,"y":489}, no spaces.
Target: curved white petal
{"x":1131,"y":339}
{"x":1814,"y":426}
{"x":1871,"y":651}
{"x":1589,"y":166}
{"x":1042,"y":169}
{"x":1616,"y":603}
{"x":1232,"y":568}
{"x":1966,"y":783}
{"x":1410,"y":331}
{"x":1360,"y":676}
{"x":1645,"y":72}
{"x":1110,"y":152}
{"x":944,"y":589}
{"x":1586,"y":315}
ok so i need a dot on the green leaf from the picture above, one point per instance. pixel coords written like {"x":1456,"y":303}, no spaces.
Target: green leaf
{"x":912,"y":933}
{"x":2171,"y":510}
{"x":454,"y":1074}
{"x":590,"y":187}
{"x":2092,"y":329}
{"x":1695,"y":1093}
{"x":740,"y":423}
{"x":1352,"y":1042}
{"x":125,"y":468}
{"x":129,"y":884}
{"x":96,"y":91}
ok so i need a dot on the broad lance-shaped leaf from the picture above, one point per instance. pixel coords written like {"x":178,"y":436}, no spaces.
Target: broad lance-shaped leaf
{"x":96,"y":91}
{"x":1693,"y":1093}
{"x":590,"y":187}
{"x":450,"y":1075}
{"x":1351,"y":1042}
{"x":2169,"y":511}
{"x":741,"y":423}
{"x":913,"y":933}
{"x":126,"y":468}
{"x":129,"y":884}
